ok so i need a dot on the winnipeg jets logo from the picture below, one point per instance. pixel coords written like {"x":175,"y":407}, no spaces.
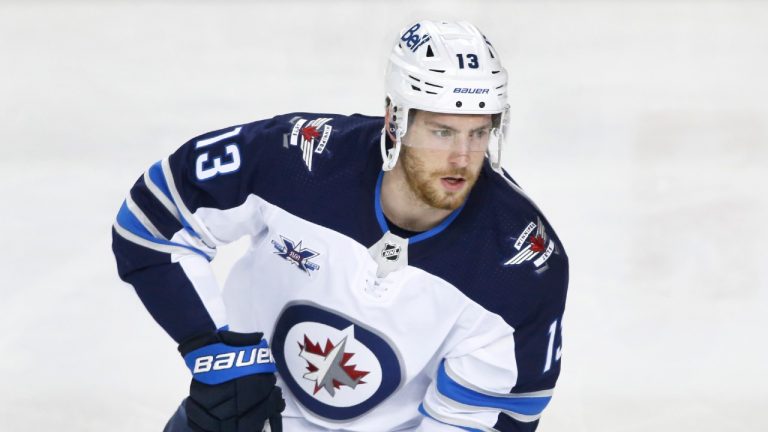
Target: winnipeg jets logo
{"x":334,"y":367}
{"x":295,"y":254}
{"x":311,"y":136}
{"x":328,"y":367}
{"x":538,"y":246}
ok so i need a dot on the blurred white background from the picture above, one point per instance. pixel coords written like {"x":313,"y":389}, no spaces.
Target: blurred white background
{"x":639,"y":127}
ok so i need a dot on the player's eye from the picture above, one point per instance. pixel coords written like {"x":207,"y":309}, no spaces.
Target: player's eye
{"x":442,"y":133}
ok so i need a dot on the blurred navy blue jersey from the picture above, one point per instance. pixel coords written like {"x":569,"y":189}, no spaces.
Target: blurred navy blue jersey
{"x":458,"y":326}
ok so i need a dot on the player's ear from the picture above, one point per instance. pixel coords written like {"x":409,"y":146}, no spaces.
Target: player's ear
{"x":387,"y":124}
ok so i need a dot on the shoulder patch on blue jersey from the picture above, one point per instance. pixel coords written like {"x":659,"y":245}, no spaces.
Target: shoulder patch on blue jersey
{"x":530,"y":245}
{"x":311,"y":136}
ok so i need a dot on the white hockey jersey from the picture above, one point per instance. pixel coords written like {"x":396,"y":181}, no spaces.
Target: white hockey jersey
{"x":456,"y":327}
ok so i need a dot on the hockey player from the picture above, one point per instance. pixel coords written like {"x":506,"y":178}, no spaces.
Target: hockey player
{"x":397,"y":278}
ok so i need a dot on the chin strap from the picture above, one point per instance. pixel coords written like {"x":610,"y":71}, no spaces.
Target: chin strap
{"x":389,"y":156}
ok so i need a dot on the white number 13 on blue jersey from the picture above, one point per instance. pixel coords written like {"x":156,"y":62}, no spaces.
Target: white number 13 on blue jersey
{"x":206,"y":168}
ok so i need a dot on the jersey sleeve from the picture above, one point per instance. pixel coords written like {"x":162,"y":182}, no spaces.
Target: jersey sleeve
{"x":503,"y":380}
{"x":176,"y":215}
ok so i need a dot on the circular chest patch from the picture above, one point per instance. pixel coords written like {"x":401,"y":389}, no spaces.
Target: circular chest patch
{"x":334,"y":366}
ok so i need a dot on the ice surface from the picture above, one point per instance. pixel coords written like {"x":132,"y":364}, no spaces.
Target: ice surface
{"x":638,"y":127}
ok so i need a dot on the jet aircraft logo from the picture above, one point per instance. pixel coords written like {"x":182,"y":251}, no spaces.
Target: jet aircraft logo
{"x":329,"y":367}
{"x":336,"y":368}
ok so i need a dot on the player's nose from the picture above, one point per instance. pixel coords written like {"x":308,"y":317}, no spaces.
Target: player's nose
{"x":459,"y":158}
{"x":460,"y":152}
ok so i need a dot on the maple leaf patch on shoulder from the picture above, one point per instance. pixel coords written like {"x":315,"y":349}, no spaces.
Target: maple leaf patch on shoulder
{"x":533,"y":243}
{"x":311,"y":136}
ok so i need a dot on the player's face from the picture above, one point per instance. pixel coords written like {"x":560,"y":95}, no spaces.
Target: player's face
{"x":442,"y":155}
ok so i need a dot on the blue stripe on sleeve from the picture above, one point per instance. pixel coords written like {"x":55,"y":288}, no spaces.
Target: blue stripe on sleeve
{"x":426,"y":414}
{"x":127,"y":220}
{"x":157,"y":177}
{"x":522,"y":405}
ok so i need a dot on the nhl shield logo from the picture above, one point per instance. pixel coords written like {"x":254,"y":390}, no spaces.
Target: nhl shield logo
{"x":391,"y":251}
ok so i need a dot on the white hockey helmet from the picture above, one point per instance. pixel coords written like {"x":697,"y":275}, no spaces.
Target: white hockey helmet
{"x":449,"y":68}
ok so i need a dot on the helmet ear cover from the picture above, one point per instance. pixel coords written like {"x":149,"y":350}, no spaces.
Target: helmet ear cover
{"x":390,"y":153}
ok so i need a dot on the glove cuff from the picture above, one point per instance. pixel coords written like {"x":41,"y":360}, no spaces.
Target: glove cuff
{"x":219,"y":358}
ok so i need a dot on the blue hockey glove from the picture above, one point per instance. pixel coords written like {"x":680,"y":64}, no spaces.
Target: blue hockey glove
{"x":233,"y":383}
